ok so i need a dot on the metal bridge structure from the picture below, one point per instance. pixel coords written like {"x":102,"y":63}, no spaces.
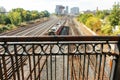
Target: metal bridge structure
{"x":60,"y":58}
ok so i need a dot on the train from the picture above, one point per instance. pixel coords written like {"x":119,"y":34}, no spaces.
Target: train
{"x":57,"y":28}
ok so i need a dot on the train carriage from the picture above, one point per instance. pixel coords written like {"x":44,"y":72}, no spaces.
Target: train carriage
{"x":56,"y":29}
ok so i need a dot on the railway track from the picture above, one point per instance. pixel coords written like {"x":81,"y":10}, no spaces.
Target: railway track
{"x":20,"y":61}
{"x":76,"y":63}
{"x":80,"y":65}
{"x":87,"y":63}
{"x":32,"y":31}
{"x":20,"y":29}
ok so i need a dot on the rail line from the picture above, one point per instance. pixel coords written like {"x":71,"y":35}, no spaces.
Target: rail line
{"x":70,"y":60}
{"x":20,"y":29}
{"x":32,"y":30}
{"x":87,"y":63}
{"x":84,"y":63}
{"x":20,"y":61}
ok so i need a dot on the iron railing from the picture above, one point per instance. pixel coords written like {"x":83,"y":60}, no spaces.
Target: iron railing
{"x":59,"y":58}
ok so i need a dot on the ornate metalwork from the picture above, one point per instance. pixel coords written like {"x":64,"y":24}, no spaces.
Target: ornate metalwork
{"x":27,"y":58}
{"x":56,"y":48}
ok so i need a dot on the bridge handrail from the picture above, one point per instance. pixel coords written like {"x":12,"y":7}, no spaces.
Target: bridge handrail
{"x":58,"y":38}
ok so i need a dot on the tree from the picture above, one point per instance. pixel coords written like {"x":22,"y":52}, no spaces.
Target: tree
{"x":106,"y":29}
{"x":22,"y":13}
{"x":2,"y":18}
{"x":15,"y":18}
{"x":93,"y":23}
{"x":42,"y":14}
{"x":46,"y":13}
{"x":102,"y":14}
{"x":35,"y":14}
{"x":28,"y":16}
{"x":83,"y":17}
{"x":18,"y":15}
{"x":114,"y":17}
{"x":116,"y":32}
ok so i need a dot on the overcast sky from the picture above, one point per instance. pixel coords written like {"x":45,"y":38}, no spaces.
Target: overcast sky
{"x":49,"y":5}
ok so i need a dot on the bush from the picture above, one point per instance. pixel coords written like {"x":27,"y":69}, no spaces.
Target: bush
{"x":15,"y":18}
{"x":114,"y":17}
{"x":1,"y":29}
{"x":11,"y":26}
{"x":107,"y":29}
{"x":116,"y":32}
{"x":93,"y":23}
{"x":5,"y":28}
{"x":83,"y":17}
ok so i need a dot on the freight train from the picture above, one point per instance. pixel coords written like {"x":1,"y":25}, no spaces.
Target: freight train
{"x":56,"y":29}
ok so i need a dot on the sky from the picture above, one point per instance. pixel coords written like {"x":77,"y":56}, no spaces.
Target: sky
{"x":49,"y":5}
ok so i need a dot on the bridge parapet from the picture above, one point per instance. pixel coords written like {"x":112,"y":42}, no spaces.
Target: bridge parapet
{"x":70,"y":57}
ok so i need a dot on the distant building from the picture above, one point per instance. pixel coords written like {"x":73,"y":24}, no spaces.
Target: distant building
{"x":75,"y":10}
{"x":89,"y":11}
{"x":2,"y":10}
{"x":66,"y":10}
{"x":59,"y":9}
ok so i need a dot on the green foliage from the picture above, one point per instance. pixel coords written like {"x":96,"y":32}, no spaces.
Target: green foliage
{"x":114,"y":17}
{"x":83,"y":17}
{"x":34,"y":15}
{"x":4,"y":19}
{"x":44,"y":14}
{"x":102,"y":14}
{"x":11,"y":26}
{"x":6,"y":27}
{"x":93,"y":23}
{"x":106,"y":18}
{"x":19,"y":15}
{"x":106,"y":12}
{"x":15,"y":18}
{"x":7,"y":20}
{"x":116,"y":32}
{"x":1,"y":29}
{"x":106,"y":29}
{"x":27,"y":15}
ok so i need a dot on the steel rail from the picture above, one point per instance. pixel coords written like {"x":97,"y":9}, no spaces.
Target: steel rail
{"x":14,"y":63}
{"x":91,"y":60}
{"x":9,"y":69}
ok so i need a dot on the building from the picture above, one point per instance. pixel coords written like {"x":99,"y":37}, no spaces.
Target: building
{"x":75,"y":10}
{"x":59,"y":9}
{"x":66,"y":10}
{"x":2,"y":10}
